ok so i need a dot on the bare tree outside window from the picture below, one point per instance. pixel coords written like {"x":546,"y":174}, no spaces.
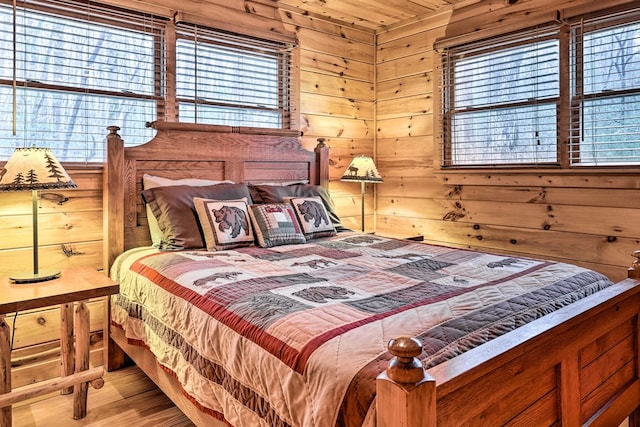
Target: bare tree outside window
{"x":610,"y":126}
{"x":74,"y":77}
{"x":502,"y":103}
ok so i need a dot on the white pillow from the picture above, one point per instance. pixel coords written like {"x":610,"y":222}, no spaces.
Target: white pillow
{"x":151,"y":181}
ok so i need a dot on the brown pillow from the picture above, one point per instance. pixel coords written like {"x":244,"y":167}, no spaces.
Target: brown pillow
{"x":277,"y":194}
{"x":174,"y":209}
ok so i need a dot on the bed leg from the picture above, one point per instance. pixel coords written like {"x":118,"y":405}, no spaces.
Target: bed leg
{"x":117,"y":358}
{"x":405,"y":393}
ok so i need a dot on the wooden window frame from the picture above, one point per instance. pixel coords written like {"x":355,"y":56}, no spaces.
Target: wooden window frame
{"x":565,"y":113}
{"x":79,"y":147}
{"x":281,"y":52}
{"x":163,"y":29}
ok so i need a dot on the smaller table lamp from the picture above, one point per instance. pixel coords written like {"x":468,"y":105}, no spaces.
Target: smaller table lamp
{"x":362,"y":170}
{"x":34,"y":169}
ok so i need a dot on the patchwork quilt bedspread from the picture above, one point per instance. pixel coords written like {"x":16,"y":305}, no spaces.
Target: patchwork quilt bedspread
{"x":294,"y":335}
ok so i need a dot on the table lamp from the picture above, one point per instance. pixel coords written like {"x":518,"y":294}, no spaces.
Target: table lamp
{"x":362,"y":170}
{"x":34,"y":169}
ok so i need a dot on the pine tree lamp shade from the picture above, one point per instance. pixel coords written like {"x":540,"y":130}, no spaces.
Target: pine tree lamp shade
{"x":362,"y":169}
{"x":34,"y":169}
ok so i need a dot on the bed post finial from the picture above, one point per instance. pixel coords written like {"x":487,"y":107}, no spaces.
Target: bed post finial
{"x":112,"y":199}
{"x":408,"y":392}
{"x":405,"y":368}
{"x":634,"y":270}
{"x":113,"y":135}
{"x":322,"y":163}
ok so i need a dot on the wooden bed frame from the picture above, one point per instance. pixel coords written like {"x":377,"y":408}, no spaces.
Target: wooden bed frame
{"x":577,"y":366}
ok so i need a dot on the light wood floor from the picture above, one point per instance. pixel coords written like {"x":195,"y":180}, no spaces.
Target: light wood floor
{"x":128,"y":399}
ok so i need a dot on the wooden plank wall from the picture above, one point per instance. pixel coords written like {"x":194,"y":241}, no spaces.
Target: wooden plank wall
{"x":590,"y":219}
{"x":69,"y":224}
{"x":337,"y":97}
{"x":337,"y":100}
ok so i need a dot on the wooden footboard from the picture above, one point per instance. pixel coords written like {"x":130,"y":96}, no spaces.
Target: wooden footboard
{"x":577,"y":366}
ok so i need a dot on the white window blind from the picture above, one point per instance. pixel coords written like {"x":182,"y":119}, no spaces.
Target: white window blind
{"x":79,"y":67}
{"x":230,"y":79}
{"x":605,"y":98}
{"x":500,"y":100}
{"x":507,"y":102}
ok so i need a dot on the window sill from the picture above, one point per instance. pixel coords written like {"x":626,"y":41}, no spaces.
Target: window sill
{"x":575,"y":170}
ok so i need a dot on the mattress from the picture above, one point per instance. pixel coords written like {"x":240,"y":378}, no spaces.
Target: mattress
{"x":294,"y":335}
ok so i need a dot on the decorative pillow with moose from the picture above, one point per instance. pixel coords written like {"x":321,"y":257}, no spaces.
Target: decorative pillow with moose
{"x":312,"y":216}
{"x":225,"y":223}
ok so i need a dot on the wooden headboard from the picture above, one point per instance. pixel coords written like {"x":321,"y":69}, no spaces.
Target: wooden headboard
{"x":185,"y":150}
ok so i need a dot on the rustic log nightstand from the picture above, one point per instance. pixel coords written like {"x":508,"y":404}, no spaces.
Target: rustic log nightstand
{"x":73,"y":288}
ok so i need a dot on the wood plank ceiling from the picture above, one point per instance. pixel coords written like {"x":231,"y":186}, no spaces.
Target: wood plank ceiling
{"x":372,"y":14}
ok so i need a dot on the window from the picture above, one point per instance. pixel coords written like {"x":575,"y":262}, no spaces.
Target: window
{"x":70,"y":68}
{"x":504,"y":104}
{"x":605,"y":102}
{"x":502,"y":101}
{"x":227,"y":79}
{"x":78,"y":68}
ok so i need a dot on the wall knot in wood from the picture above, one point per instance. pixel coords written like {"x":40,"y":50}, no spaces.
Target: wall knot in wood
{"x":457,"y":213}
{"x":57,"y":198}
{"x":69,"y":251}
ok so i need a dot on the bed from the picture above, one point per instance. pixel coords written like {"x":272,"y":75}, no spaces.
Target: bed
{"x":297,"y":331}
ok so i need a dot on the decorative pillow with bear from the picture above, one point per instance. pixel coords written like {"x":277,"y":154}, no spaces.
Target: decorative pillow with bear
{"x":313,"y":216}
{"x":275,"y":224}
{"x":152,"y":181}
{"x":225,"y":223}
{"x":176,"y":214}
{"x":261,"y":193}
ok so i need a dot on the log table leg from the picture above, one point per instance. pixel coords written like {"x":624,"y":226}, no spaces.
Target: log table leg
{"x":5,"y":370}
{"x":82,"y":358}
{"x":66,"y":344}
{"x":634,"y":418}
{"x":76,"y":284}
